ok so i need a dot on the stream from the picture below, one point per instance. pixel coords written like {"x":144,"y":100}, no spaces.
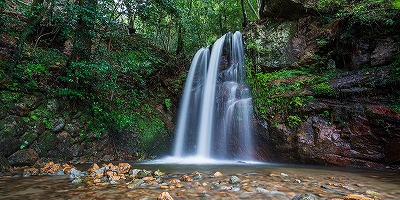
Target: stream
{"x":256,"y":181}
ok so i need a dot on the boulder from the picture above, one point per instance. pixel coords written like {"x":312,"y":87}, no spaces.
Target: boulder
{"x":384,"y":52}
{"x":8,"y":145}
{"x":4,"y":165}
{"x":23,"y":157}
{"x":12,"y":126}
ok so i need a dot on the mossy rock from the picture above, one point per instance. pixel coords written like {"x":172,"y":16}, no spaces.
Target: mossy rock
{"x":8,"y":145}
{"x":46,"y":142}
{"x":12,"y":126}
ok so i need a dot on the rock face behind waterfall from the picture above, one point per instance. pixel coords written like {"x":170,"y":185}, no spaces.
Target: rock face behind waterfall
{"x":344,"y":109}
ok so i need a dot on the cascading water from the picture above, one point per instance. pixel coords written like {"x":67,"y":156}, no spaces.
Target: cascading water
{"x":214,"y":119}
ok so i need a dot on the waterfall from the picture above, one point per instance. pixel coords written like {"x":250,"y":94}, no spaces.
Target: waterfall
{"x":215,"y":114}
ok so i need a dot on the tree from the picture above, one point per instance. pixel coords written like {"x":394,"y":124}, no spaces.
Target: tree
{"x":244,"y":24}
{"x":38,"y":10}
{"x":84,"y":31}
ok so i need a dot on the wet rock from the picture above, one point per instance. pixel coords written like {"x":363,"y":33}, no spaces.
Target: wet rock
{"x":113,"y":182}
{"x":75,"y":174}
{"x":67,"y":168}
{"x":283,"y":174}
{"x":305,"y":197}
{"x":218,"y":174}
{"x":60,"y":172}
{"x":134,"y":172}
{"x":236,"y":189}
{"x":164,"y":196}
{"x":123,"y":168}
{"x":141,"y":174}
{"x":50,"y":168}
{"x":158,"y":173}
{"x":93,"y":168}
{"x":355,"y":197}
{"x":30,"y":172}
{"x":271,"y":192}
{"x":186,"y":178}
{"x":234,"y":180}
{"x":372,"y":193}
{"x":135,"y":183}
{"x":77,"y":181}
{"x":23,"y":157}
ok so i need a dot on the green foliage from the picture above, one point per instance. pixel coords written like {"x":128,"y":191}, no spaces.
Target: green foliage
{"x":323,"y":89}
{"x":168,"y":103}
{"x":396,"y":3}
{"x":396,"y":105}
{"x":293,"y":121}
{"x":324,"y":4}
{"x":278,"y":92}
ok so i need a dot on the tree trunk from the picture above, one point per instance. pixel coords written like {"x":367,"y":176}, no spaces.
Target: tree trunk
{"x":261,"y":9}
{"x":244,"y":23}
{"x":179,"y":47}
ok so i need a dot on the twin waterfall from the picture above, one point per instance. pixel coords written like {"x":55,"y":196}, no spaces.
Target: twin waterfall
{"x":215,"y":114}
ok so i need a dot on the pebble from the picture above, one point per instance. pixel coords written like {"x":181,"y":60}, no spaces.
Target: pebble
{"x":164,"y":196}
{"x":236,"y":189}
{"x":234,"y":180}
{"x":76,"y":181}
{"x":372,"y":193}
{"x":135,"y":183}
{"x":186,"y":178}
{"x":355,"y":197}
{"x":304,"y":197}
{"x":283,"y":174}
{"x":114,"y":182}
{"x":218,"y":174}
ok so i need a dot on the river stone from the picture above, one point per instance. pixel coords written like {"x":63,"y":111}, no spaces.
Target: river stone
{"x":141,"y":174}
{"x":30,"y":172}
{"x":304,"y":197}
{"x":75,"y":174}
{"x":58,"y":125}
{"x":234,"y":180}
{"x":112,"y":182}
{"x":135,"y":183}
{"x":23,"y":157}
{"x":164,"y":196}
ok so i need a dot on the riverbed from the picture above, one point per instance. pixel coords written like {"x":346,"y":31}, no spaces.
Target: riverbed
{"x":254,"y":181}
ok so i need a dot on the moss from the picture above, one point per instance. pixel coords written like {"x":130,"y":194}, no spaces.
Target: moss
{"x":323,"y":89}
{"x":47,"y":142}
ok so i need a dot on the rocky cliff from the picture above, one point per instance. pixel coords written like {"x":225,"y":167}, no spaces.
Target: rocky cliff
{"x":325,"y":81}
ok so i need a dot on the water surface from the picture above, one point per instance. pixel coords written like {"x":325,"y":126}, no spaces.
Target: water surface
{"x":289,"y":180}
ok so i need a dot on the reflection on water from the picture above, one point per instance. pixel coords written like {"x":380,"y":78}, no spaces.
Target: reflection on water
{"x":322,"y":181}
